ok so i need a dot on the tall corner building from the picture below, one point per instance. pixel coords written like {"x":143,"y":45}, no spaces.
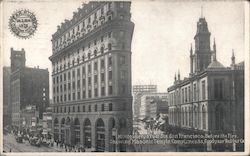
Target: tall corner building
{"x":28,"y":86}
{"x":91,"y":61}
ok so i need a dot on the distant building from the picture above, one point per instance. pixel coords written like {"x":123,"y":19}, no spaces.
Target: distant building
{"x":29,"y":117}
{"x":211,"y":99}
{"x":6,"y":97}
{"x":47,"y":122}
{"x":91,"y":61}
{"x":28,"y":86}
{"x":158,"y":106}
{"x":146,"y":100}
{"x":138,"y":91}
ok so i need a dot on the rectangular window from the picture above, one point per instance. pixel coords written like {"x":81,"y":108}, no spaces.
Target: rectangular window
{"x":83,"y":82}
{"x":110,"y":107}
{"x":95,"y":108}
{"x":83,"y":70}
{"x":64,"y":76}
{"x":110,"y":75}
{"x":89,"y":80}
{"x":96,"y":92}
{"x":69,"y":97}
{"x":218,"y":88}
{"x":89,"y":68}
{"x":189,"y":94}
{"x":89,"y":108}
{"x":69,"y":86}
{"x":83,"y":108}
{"x":110,"y":90}
{"x":103,"y":91}
{"x":102,"y":77}
{"x":73,"y":85}
{"x":69,"y":76}
{"x":102,"y":63}
{"x":78,"y":95}
{"x":95,"y":78}
{"x":110,"y":61}
{"x":78,"y":72}
{"x":73,"y":74}
{"x":182,"y":96}
{"x":195,"y":92}
{"x":74,"y":96}
{"x":65,"y":97}
{"x":78,"y":84}
{"x":123,"y":73}
{"x":102,"y":107}
{"x":95,"y":66}
{"x":83,"y":94}
{"x":90,"y":95}
{"x":121,"y":5}
{"x":203,"y":88}
{"x":185,"y":95}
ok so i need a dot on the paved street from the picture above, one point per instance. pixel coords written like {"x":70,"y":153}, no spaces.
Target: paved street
{"x":10,"y":144}
{"x":152,"y":147}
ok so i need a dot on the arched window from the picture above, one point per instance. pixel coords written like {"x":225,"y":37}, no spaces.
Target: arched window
{"x":89,"y":55}
{"x":219,"y":118}
{"x":87,"y":133}
{"x":190,"y":116}
{"x":204,"y":117}
{"x":100,"y":133}
{"x":123,"y":123}
{"x":95,"y":52}
{"x":109,"y":46}
{"x":196,"y":117}
{"x":102,"y":50}
{"x":77,"y":131}
{"x":186,"y":116}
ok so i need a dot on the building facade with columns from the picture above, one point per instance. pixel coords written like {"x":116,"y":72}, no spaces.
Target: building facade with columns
{"x":91,"y":61}
{"x":211,"y":99}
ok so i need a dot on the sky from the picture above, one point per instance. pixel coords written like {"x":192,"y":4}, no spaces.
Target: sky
{"x":163,"y":33}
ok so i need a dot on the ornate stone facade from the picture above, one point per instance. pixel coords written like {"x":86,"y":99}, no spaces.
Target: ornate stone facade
{"x":91,"y":63}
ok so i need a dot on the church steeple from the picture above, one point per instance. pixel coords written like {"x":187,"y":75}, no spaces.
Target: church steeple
{"x":202,"y":52}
